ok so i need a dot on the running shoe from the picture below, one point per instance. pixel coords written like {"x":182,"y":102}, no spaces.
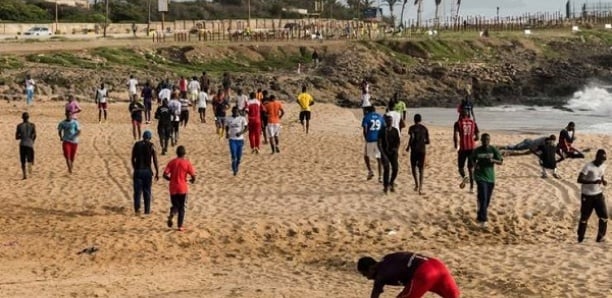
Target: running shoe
{"x":556,"y":176}
{"x":169,"y":222}
{"x":370,"y":175}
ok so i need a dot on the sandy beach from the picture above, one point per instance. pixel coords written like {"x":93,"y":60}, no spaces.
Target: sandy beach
{"x":289,"y":225}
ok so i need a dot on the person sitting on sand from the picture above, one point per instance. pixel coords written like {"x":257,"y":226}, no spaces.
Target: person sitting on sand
{"x":547,"y":154}
{"x":565,"y":148}
{"x":417,"y":273}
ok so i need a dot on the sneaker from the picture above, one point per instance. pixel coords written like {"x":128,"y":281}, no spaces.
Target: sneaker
{"x":601,"y":240}
{"x":392,"y":188}
{"x":277,"y":150}
{"x":380,"y":180}
{"x":169,"y":222}
{"x":463,"y":182}
{"x":370,"y":175}
{"x":544,"y":176}
{"x":385,"y":190}
{"x":483,"y":224}
{"x":556,"y":176}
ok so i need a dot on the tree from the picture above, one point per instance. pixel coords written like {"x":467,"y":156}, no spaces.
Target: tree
{"x":419,"y":12}
{"x":402,"y":14}
{"x":16,"y":10}
{"x":392,"y":4}
{"x":437,"y":18}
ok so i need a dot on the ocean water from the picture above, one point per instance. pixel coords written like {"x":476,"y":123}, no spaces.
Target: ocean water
{"x":590,"y":109}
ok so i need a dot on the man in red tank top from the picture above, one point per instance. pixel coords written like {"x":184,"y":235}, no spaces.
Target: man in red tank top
{"x":465,"y":136}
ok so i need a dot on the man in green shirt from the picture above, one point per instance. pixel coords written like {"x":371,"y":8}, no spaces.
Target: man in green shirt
{"x":484,"y":158}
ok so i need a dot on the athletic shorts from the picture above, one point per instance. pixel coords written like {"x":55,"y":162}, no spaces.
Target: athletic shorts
{"x":273,"y":129}
{"x":431,"y":276}
{"x":201,"y":110}
{"x":464,"y":155}
{"x":193,"y":96}
{"x":220,"y":120}
{"x":69,"y":149}
{"x":26,"y":154}
{"x":185,"y":115}
{"x":305,"y":115}
{"x":102,"y":106}
{"x":371,"y":150}
{"x":148,"y":104}
{"x":417,"y":159}
{"x":136,"y":122}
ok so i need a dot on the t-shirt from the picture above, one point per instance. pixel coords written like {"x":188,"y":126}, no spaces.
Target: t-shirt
{"x":305,"y":101}
{"x":30,"y":84}
{"x":467,"y":105}
{"x":164,"y":116}
{"x":400,"y":107}
{"x":220,"y":107}
{"x":254,"y":110}
{"x":165,"y":93}
{"x":365,"y":100}
{"x":101,"y":95}
{"x":467,"y":129}
{"x":182,"y":85}
{"x":73,"y":107}
{"x":565,"y":140}
{"x":202,"y":99}
{"x":396,"y":269}
{"x":132,"y":83}
{"x":204,"y":82}
{"x":178,"y":169}
{"x":273,"y":109}
{"x":147,"y":93}
{"x":395,"y":119}
{"x":419,"y":138}
{"x":175,"y":108}
{"x":142,"y":154}
{"x":241,"y":102}
{"x":373,"y":123}
{"x":236,"y":125}
{"x":548,"y":155}
{"x":591,"y":173}
{"x":184,"y":104}
{"x":194,"y":86}
{"x":26,"y":132}
{"x":483,"y":167}
{"x":69,"y":129}
{"x":136,"y":109}
{"x":226,"y":82}
{"x":389,"y":140}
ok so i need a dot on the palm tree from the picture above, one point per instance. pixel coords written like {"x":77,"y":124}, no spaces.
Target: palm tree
{"x":437,"y":18}
{"x":402,"y":15}
{"x":391,"y":4}
{"x":419,"y":11}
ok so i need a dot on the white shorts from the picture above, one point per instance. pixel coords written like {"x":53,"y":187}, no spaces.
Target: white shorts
{"x":371,"y":150}
{"x":193,"y":96}
{"x":273,"y":129}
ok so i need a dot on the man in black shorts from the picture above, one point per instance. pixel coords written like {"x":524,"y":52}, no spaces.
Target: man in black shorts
{"x":26,"y":134}
{"x":305,"y":100}
{"x":419,"y":138}
{"x":163,"y":114}
{"x":264,"y":116}
{"x":465,"y":135}
{"x":592,"y":179}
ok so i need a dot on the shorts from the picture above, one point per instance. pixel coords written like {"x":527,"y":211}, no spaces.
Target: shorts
{"x":183,"y":93}
{"x":431,"y":276}
{"x":304,"y":115}
{"x":464,"y":155}
{"x":185,"y":116}
{"x":371,"y":150}
{"x":136,"y":122}
{"x":102,"y":106}
{"x":273,"y":129}
{"x":193,"y":96}
{"x":201,"y":110}
{"x":148,"y":104}
{"x":69,"y":150}
{"x":220,"y":120}
{"x":417,"y":159}
{"x":26,"y":154}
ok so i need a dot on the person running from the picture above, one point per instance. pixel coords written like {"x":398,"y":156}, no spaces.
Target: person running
{"x":163,"y":114}
{"x":102,"y":102}
{"x":275,"y":112}
{"x":205,"y":82}
{"x":418,"y":141}
{"x":29,"y":88}
{"x":26,"y":134}
{"x":372,"y":124}
{"x":72,"y":107}
{"x":220,"y":106}
{"x":184,"y":111}
{"x":592,"y":179}
{"x":194,"y":88}
{"x":305,"y":101}
{"x":241,"y":100}
{"x":175,"y":107}
{"x":164,"y":93}
{"x":226,"y":81}
{"x":69,"y":131}
{"x":235,"y":128}
{"x":182,"y":87}
{"x":136,"y":109}
{"x":176,"y":172}
{"x":254,"y":122}
{"x":547,"y":154}
{"x":484,"y":158}
{"x":567,"y":136}
{"x":147,"y":96}
{"x":417,"y":273}
{"x":132,"y":87}
{"x":143,"y":152}
{"x":388,"y":145}
{"x":264,"y":116}
{"x":202,"y":102}
{"x":464,"y":136}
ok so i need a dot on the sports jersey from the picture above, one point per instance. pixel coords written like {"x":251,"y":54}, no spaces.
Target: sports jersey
{"x":236,"y":125}
{"x":178,"y":169}
{"x":467,"y":129}
{"x":254,"y":110}
{"x":373,"y":123}
{"x":273,"y":109}
{"x":305,"y":101}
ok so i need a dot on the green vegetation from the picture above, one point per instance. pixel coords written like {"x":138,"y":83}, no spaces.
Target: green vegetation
{"x":62,"y":59}
{"x":10,"y":62}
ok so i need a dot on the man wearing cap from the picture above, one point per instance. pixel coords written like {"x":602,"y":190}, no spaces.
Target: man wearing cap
{"x":26,"y":134}
{"x":142,"y":154}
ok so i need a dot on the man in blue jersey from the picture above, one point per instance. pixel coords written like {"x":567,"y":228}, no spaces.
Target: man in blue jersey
{"x":372,"y":124}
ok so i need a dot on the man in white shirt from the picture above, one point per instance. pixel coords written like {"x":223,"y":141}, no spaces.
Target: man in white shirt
{"x":132,"y":87}
{"x":101,"y":100}
{"x":395,"y":119}
{"x":194,"y":90}
{"x":29,"y":87}
{"x":592,"y":179}
{"x":365,"y":102}
{"x":241,"y":102}
{"x":175,"y":107}
{"x":202,"y":99}
{"x":235,"y":127}
{"x":164,"y":93}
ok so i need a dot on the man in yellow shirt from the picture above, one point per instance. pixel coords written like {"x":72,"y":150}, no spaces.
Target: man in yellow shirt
{"x":305,"y":101}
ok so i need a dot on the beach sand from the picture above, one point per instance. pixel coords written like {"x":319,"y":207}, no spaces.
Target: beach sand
{"x":289,"y":225}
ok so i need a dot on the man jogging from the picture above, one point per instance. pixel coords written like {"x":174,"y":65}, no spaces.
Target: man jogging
{"x":143,"y":153}
{"x":26,"y":134}
{"x":417,"y":273}
{"x":235,"y":128}
{"x":69,"y":131}
{"x":254,"y":122}
{"x":275,"y":112}
{"x":163,"y":114}
{"x":102,"y":102}
{"x":388,"y":144}
{"x":484,"y":158}
{"x":372,"y":124}
{"x":176,"y":172}
{"x":418,"y":141}
{"x":136,"y":109}
{"x":147,"y":98}
{"x":592,"y":179}
{"x":465,"y":135}
{"x":305,"y":101}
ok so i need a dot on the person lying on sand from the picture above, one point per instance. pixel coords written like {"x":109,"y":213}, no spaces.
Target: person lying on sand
{"x":417,"y":273}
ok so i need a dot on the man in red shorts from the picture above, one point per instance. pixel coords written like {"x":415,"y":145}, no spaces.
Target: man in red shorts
{"x":417,"y":273}
{"x":69,"y":131}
